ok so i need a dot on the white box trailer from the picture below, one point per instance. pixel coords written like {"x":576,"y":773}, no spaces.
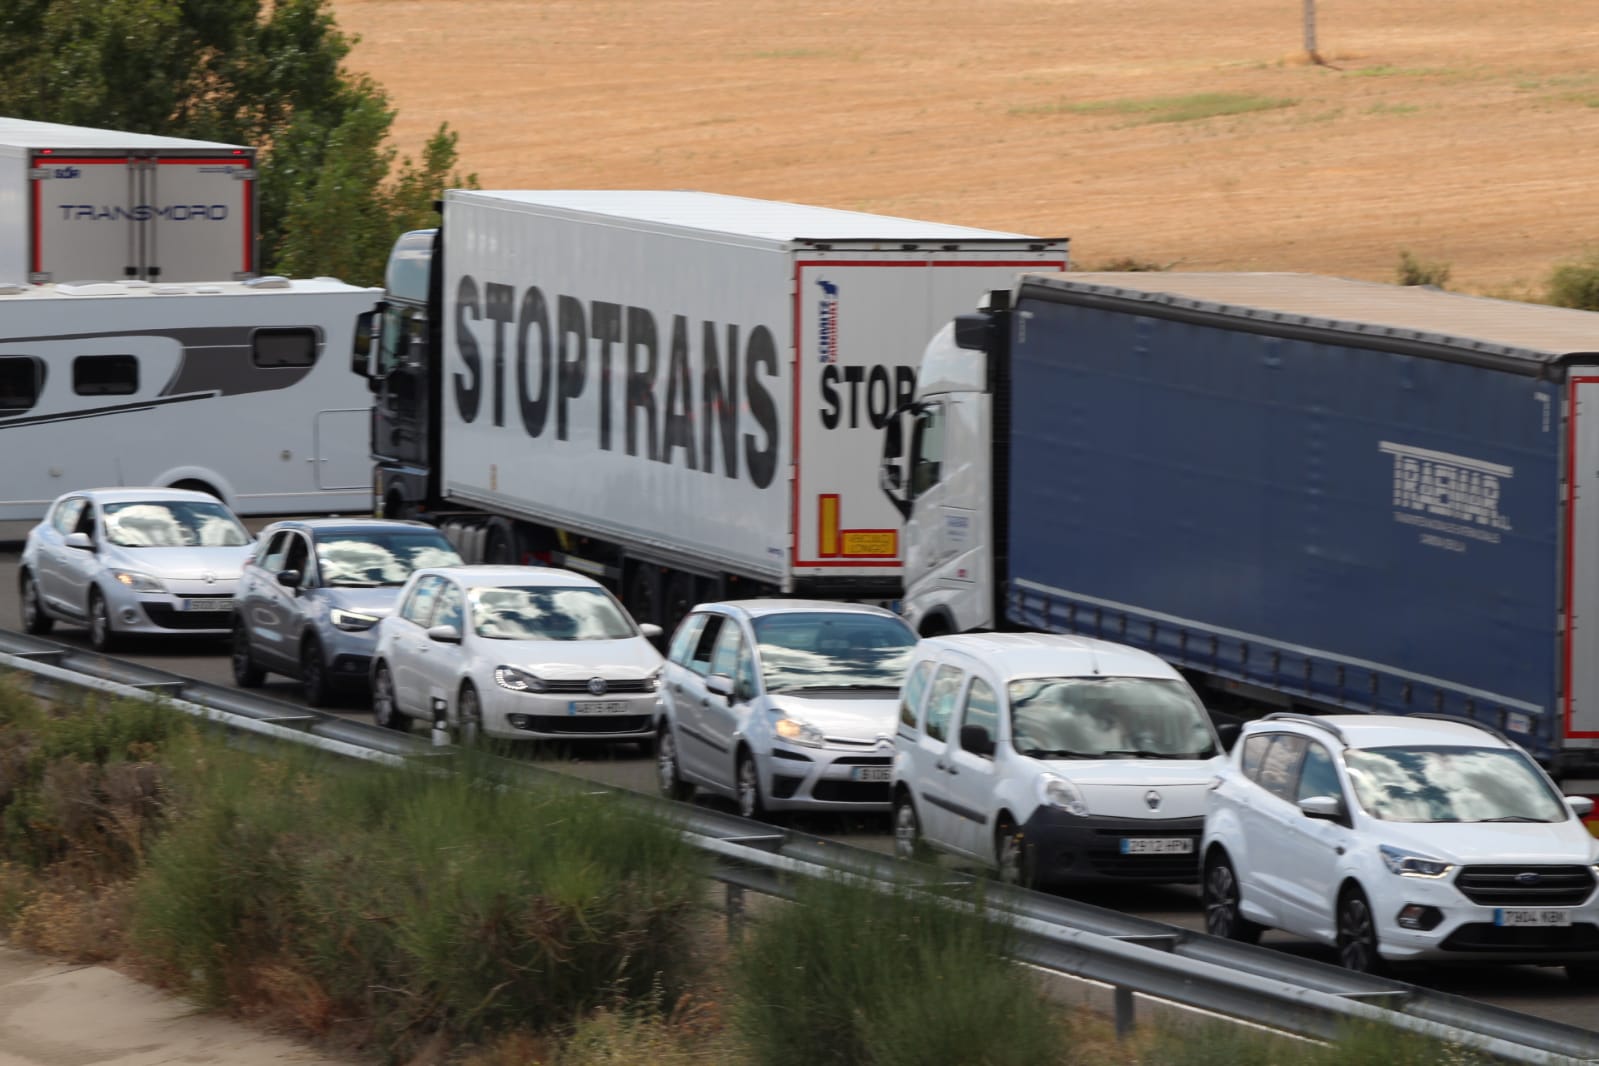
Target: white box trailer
{"x":241,"y":389}
{"x":684,"y":384}
{"x":81,"y":204}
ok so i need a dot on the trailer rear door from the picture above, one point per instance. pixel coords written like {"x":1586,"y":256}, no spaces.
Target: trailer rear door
{"x":1581,"y":534}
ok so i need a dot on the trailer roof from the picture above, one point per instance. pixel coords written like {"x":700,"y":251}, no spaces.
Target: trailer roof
{"x":1505,"y":329}
{"x":79,"y":290}
{"x":746,"y":217}
{"x":21,"y":133}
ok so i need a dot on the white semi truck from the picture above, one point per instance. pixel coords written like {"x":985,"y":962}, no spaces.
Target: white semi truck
{"x":681,"y":393}
{"x":81,"y":204}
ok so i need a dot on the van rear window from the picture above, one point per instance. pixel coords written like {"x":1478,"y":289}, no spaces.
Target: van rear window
{"x":21,"y":381}
{"x":283,"y":347}
{"x":105,"y":375}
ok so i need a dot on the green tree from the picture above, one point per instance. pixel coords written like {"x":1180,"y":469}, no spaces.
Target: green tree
{"x":332,"y":194}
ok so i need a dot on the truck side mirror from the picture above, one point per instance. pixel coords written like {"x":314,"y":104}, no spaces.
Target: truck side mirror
{"x":891,"y":472}
{"x":361,"y":350}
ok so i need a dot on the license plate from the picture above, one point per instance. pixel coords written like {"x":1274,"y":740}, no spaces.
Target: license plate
{"x":596,"y":707}
{"x":1157,"y":845}
{"x":1531,"y":916}
{"x":872,"y":773}
{"x":205,"y":605}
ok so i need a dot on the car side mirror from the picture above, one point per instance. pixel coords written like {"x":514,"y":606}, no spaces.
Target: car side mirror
{"x":720,"y":684}
{"x":650,"y":630}
{"x":1581,"y":806}
{"x":81,"y":541}
{"x":289,"y":579}
{"x":1227,"y":733}
{"x":977,"y":740}
{"x":444,"y":634}
{"x":1330,"y":808}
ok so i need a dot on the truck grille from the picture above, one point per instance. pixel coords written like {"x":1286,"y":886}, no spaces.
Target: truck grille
{"x":1525,"y":886}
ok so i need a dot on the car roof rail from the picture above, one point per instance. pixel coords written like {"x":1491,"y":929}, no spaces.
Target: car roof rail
{"x":1485,"y":727}
{"x":1308,"y":719}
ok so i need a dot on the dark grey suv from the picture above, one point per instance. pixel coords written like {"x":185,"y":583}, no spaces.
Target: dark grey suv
{"x":310,"y":597}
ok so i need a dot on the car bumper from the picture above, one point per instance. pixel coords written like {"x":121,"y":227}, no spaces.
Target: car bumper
{"x":827,"y":779}
{"x":536,"y":716}
{"x":169,"y":613}
{"x":1466,"y":931}
{"x":1065,"y":847}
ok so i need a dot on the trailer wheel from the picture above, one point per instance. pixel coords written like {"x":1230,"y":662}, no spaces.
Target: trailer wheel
{"x":197,"y":486}
{"x":499,"y":543}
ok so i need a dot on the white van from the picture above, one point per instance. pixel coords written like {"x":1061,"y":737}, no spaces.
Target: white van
{"x":1052,"y":758}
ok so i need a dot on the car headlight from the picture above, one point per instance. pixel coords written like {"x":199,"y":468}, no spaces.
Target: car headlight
{"x":797,"y":732}
{"x":351,"y":621}
{"x":518,"y":680}
{"x":1409,"y":864}
{"x":653,"y":682}
{"x":138,"y":582}
{"x":1058,"y":792}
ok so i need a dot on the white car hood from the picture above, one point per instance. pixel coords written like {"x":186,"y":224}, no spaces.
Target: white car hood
{"x":856,"y":716}
{"x":1139,"y":788}
{"x":181,"y":564}
{"x":1494,"y":843}
{"x":576,"y":660}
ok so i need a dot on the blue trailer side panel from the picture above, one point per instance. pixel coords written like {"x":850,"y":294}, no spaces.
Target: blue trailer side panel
{"x":1370,"y":529}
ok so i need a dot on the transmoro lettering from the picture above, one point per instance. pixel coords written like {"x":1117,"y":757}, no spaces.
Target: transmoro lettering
{"x":667,"y":389}
{"x":143,"y":213}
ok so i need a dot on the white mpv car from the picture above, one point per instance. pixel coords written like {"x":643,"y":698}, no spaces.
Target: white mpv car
{"x":1052,"y":758}
{"x":1399,"y":838}
{"x":515,"y":653}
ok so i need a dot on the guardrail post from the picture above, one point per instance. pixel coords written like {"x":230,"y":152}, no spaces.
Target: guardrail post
{"x":1124,"y":1012}
{"x":735,"y":913}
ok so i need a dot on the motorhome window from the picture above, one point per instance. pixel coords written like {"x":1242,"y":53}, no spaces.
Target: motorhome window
{"x":105,"y":375}
{"x":271,"y":348}
{"x":21,"y":381}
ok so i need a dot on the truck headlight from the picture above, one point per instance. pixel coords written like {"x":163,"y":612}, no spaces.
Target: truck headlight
{"x":1058,"y":792}
{"x":797,"y":732}
{"x":518,"y":680}
{"x":1409,"y":864}
{"x":351,"y":621}
{"x":138,"y":582}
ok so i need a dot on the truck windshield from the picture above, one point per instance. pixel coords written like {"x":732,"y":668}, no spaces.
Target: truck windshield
{"x":824,"y":649}
{"x":1449,"y":784}
{"x":553,"y":613}
{"x":1108,"y":717}
{"x":173,"y":524}
{"x":372,"y":559}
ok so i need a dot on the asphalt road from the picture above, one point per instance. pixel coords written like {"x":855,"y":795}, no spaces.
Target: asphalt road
{"x":1541,"y":991}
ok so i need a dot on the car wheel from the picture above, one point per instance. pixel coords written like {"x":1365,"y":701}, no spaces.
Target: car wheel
{"x":469,"y":716}
{"x":385,"y":712}
{"x":1357,"y":934}
{"x":667,"y":774}
{"x":102,"y":637}
{"x":908,"y":842}
{"x":314,"y":674}
{"x":748,"y":783}
{"x":1221,"y":896}
{"x":34,"y":619}
{"x":1013,"y":855}
{"x":245,"y":673}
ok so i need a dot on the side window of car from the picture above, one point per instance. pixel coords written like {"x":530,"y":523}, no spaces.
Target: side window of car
{"x":274,"y":552}
{"x":1279,"y":767}
{"x":1318,"y":776}
{"x":298,"y":557}
{"x":419,"y":604}
{"x":941,"y":702}
{"x":85,"y":522}
{"x":1254,"y":747}
{"x":911,"y":695}
{"x":699,"y":660}
{"x":66,"y":516}
{"x":450,"y":609}
{"x":744,"y":683}
{"x":724,"y":659}
{"x":981,"y":710}
{"x":683,"y":640}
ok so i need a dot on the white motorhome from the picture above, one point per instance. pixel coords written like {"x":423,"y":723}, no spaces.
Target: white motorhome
{"x":240,"y":389}
{"x":81,"y":204}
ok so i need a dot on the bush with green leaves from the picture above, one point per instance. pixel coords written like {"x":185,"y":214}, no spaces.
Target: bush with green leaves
{"x":1576,"y":284}
{"x":1414,"y":271}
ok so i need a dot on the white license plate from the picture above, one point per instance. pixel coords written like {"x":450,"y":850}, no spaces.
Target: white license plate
{"x":596,"y":707}
{"x":872,"y":773}
{"x":205,"y":605}
{"x":1157,"y":845}
{"x":1531,"y":916}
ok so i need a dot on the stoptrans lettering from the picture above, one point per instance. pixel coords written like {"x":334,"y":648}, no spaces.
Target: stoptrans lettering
{"x":848,"y":392}
{"x":1454,"y":488}
{"x":538,"y":353}
{"x":143,"y":213}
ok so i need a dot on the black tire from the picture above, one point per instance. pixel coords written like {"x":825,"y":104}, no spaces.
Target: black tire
{"x":34,"y":618}
{"x":747,"y":786}
{"x":246,"y":674}
{"x":1221,"y":899}
{"x":314,"y":680}
{"x":1357,"y":934}
{"x":499,"y":546}
{"x":1013,"y":856}
{"x":385,"y":711}
{"x":908,"y":841}
{"x":668,"y":774}
{"x":102,"y":634}
{"x":469,"y":717}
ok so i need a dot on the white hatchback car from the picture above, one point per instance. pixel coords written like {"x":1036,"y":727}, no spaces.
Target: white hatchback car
{"x":515,"y":653}
{"x":1399,"y":838}
{"x":133,"y":561}
{"x":1052,"y":758}
{"x":783,"y":704}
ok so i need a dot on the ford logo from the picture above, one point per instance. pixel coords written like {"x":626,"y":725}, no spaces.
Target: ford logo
{"x":1529,"y":877}
{"x":1152,"y":798}
{"x":597,"y":686}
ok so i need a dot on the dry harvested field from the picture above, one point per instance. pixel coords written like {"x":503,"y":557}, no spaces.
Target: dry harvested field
{"x":1465,"y":131}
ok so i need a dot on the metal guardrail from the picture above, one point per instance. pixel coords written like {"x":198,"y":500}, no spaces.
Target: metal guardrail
{"x":1128,"y":953}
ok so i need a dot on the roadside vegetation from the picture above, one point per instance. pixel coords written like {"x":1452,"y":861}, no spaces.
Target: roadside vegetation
{"x":411,"y":916}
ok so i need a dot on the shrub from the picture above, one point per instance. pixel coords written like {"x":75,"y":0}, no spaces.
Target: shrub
{"x":1576,"y":284}
{"x":1413,"y":271}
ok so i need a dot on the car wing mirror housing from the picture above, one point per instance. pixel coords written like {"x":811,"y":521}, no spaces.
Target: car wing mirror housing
{"x":1581,"y":806}
{"x":720,"y":684}
{"x":650,"y":630}
{"x":444,"y":634}
{"x":977,"y":740}
{"x":1328,"y":807}
{"x":81,"y":541}
{"x":289,"y":579}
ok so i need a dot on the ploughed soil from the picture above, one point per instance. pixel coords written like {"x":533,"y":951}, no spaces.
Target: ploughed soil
{"x":1197,"y":135}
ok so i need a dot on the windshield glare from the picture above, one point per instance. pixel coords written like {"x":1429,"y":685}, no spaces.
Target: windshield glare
{"x":173,"y":524}
{"x":369,"y":560}
{"x":527,"y":613}
{"x":1447,"y":784}
{"x":1094,"y":717}
{"x":819,"y":649}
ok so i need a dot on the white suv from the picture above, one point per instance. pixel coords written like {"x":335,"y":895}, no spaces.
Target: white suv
{"x":1398,"y":838}
{"x":1052,"y":758}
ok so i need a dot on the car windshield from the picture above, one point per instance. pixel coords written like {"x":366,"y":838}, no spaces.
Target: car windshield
{"x":369,"y":560}
{"x":1108,"y":717}
{"x":548,"y":613}
{"x":833,"y":649}
{"x":173,"y":524}
{"x":1451,"y":784}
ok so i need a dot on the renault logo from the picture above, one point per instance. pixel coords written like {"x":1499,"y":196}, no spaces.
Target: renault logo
{"x":1152,"y":799}
{"x":597,"y":686}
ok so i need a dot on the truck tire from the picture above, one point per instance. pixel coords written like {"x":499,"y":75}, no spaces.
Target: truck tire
{"x":500,"y":543}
